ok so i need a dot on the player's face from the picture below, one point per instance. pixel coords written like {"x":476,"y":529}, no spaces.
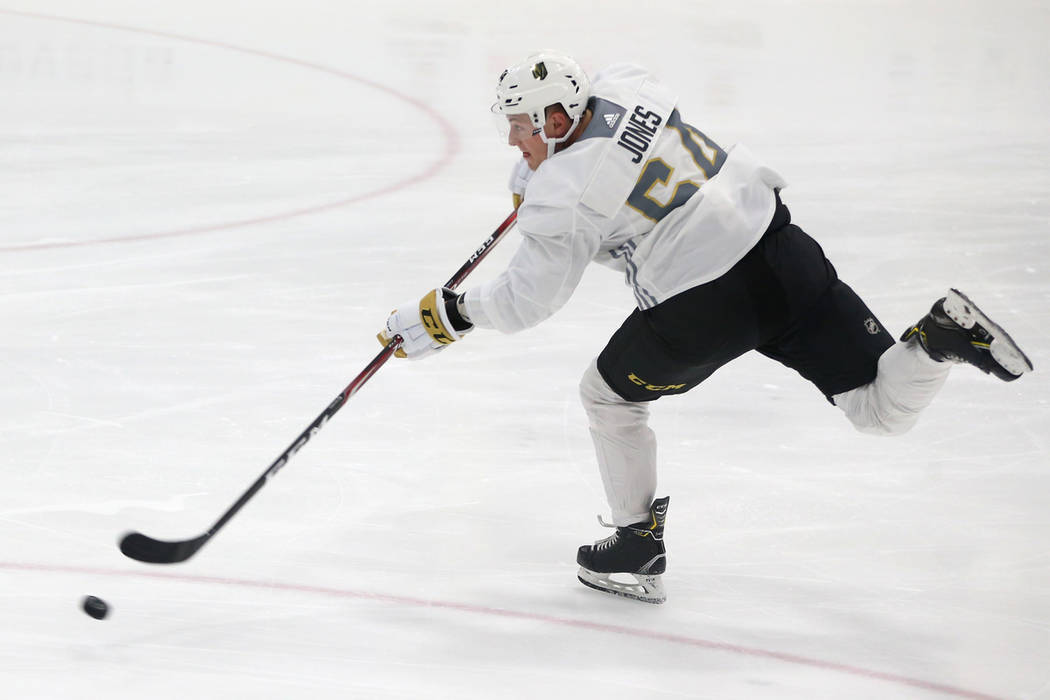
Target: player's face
{"x":526,"y":138}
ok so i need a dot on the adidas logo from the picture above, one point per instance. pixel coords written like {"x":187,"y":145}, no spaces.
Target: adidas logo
{"x":611,"y":119}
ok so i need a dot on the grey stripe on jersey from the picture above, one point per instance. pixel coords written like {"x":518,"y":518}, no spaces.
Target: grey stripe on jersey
{"x":641,"y":294}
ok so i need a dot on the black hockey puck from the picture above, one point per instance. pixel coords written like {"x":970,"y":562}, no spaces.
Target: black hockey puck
{"x":95,"y":607}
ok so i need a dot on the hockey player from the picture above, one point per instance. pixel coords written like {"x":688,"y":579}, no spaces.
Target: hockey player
{"x":611,"y":172}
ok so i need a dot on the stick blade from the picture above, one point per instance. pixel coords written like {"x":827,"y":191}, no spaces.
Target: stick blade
{"x":139,"y":547}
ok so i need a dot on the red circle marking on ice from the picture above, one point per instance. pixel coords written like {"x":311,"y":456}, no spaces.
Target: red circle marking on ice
{"x":633,"y":632}
{"x":451,"y":139}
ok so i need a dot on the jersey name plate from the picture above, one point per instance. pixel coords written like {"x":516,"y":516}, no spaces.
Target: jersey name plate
{"x":618,"y":168}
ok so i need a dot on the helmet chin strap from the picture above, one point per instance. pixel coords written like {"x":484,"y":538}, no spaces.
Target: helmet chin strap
{"x":552,"y":142}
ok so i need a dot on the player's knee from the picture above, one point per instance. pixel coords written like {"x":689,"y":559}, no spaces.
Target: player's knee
{"x":604,"y":406}
{"x":592,"y":386}
{"x":874,"y":425}
{"x":865,"y":414}
{"x":595,"y":394}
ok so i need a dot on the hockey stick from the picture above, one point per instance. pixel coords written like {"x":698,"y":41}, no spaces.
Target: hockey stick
{"x":146,"y":549}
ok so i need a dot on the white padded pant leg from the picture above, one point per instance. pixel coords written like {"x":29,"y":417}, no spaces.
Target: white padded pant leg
{"x":906,"y":382}
{"x":625,"y":447}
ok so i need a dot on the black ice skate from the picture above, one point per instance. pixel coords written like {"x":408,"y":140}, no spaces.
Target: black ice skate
{"x":634,"y":552}
{"x":956,"y":330}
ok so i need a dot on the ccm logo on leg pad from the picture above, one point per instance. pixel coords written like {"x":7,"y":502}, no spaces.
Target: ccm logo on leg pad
{"x":653,"y":387}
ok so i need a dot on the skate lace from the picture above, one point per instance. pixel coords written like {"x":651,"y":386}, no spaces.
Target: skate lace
{"x":611,"y":539}
{"x":608,"y":542}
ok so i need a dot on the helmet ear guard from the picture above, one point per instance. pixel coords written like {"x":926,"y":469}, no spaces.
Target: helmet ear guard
{"x":541,"y":80}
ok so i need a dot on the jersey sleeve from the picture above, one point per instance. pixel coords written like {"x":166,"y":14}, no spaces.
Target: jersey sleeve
{"x":557,"y":244}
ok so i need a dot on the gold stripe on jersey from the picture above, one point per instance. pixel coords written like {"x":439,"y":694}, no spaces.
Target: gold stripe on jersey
{"x":658,"y":171}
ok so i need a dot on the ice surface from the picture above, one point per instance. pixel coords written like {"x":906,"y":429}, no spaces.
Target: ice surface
{"x":208,"y":209}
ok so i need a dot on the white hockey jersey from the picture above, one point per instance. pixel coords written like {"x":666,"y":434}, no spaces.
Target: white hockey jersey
{"x":640,"y":191}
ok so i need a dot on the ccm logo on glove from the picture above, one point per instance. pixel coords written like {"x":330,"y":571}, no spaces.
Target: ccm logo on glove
{"x":431,"y":322}
{"x":430,"y":325}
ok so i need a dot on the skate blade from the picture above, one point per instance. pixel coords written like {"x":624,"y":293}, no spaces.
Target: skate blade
{"x":1002,"y":348}
{"x":647,"y":589}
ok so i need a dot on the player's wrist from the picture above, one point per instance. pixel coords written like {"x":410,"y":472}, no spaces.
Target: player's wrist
{"x":456,"y":311}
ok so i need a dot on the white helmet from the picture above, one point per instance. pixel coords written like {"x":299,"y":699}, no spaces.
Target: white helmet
{"x":541,"y":80}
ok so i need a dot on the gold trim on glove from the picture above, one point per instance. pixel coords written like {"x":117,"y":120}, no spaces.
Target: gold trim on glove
{"x":431,"y":315}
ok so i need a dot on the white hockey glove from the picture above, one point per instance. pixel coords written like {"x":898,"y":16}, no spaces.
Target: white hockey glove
{"x":519,"y":179}
{"x":426,"y":327}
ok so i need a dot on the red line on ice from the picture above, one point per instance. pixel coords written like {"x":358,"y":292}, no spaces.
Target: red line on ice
{"x":633,"y":632}
{"x":451,"y":139}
